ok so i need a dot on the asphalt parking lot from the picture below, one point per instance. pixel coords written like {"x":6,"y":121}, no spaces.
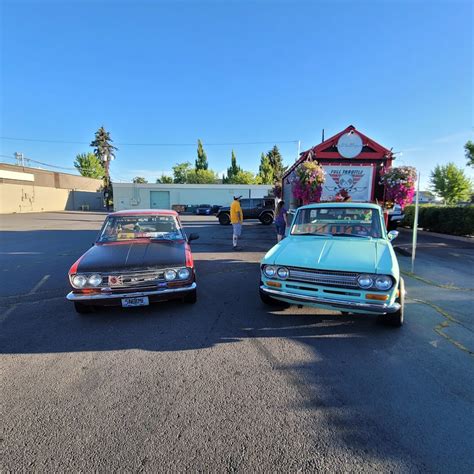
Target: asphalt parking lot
{"x":228,"y":384}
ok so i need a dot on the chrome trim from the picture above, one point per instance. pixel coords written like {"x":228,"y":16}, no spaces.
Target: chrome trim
{"x":116,"y":296}
{"x":338,"y":304}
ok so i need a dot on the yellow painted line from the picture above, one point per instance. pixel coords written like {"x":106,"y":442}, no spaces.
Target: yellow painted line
{"x":438,"y":329}
{"x":433,"y":283}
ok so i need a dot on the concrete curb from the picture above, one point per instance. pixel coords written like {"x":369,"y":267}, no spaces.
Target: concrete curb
{"x":459,"y":238}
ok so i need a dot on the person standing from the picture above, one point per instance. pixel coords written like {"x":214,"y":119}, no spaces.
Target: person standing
{"x":236,"y":219}
{"x":281,"y":220}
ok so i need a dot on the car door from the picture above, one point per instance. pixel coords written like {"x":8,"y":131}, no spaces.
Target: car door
{"x":246,"y":205}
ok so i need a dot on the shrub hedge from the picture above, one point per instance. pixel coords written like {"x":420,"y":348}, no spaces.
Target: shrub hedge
{"x":443,"y":219}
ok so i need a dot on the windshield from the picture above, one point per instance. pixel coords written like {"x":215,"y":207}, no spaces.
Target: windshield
{"x":119,"y":228}
{"x":339,"y":221}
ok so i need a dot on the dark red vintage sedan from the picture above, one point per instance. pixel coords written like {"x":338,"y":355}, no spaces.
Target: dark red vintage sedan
{"x":140,"y":257}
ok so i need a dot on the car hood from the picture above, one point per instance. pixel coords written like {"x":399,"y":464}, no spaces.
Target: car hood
{"x":112,"y":257}
{"x":335,"y":253}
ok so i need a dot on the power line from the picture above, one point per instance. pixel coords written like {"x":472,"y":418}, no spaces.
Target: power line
{"x":266,"y":142}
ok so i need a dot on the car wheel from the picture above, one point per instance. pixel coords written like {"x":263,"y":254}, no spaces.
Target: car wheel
{"x":82,"y":308}
{"x":191,"y":297}
{"x":224,"y":219}
{"x":397,"y":319}
{"x":266,"y":219}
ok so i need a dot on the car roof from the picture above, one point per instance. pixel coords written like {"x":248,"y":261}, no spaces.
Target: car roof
{"x":366,"y":205}
{"x":145,"y":212}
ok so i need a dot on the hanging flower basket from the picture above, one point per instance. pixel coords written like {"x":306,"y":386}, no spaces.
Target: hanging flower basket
{"x":307,"y":186}
{"x":399,"y":184}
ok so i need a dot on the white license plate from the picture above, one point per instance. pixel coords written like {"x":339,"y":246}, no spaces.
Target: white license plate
{"x":132,"y":302}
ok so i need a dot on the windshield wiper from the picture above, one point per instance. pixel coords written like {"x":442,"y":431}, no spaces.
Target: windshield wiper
{"x":342,"y":234}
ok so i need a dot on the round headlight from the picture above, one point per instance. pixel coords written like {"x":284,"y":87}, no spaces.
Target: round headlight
{"x":383,"y":282}
{"x":283,"y":273}
{"x":170,"y":275}
{"x":184,"y":273}
{"x":79,"y":281}
{"x":365,"y":281}
{"x":94,"y":280}
{"x":269,"y":271}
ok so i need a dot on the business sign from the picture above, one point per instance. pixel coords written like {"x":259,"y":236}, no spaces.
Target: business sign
{"x":358,"y":181}
{"x":349,"y":145}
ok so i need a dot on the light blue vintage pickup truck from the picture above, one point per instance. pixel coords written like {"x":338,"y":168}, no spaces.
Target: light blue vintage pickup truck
{"x":336,"y":256}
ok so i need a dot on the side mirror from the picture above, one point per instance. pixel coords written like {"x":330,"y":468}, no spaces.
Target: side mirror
{"x":193,"y":236}
{"x":392,"y":235}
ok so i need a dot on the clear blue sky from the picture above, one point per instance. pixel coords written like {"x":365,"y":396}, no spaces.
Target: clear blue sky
{"x":173,"y":72}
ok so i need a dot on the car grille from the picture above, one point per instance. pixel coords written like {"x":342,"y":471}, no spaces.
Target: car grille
{"x":137,"y":279}
{"x":324,"y":277}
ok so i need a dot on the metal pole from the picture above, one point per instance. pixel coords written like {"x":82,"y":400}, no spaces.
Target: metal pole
{"x":415,"y":224}
{"x":299,"y":149}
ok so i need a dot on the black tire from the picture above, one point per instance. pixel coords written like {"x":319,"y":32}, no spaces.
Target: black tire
{"x":191,"y":297}
{"x":224,"y":219}
{"x":266,"y":219}
{"x":269,"y":301}
{"x":397,"y":319}
{"x":82,"y":308}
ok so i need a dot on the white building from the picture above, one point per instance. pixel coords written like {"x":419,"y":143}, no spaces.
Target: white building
{"x":165,"y":196}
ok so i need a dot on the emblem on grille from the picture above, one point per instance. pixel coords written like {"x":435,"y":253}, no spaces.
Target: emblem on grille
{"x":115,"y":280}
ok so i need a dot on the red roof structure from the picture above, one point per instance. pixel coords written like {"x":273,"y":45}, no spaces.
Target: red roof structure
{"x":327,"y":151}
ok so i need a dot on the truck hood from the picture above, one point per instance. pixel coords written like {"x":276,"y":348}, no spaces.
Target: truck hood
{"x":113,"y":257}
{"x":335,"y":253}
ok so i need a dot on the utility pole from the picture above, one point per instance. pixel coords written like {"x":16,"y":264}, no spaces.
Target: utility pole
{"x":20,"y":161}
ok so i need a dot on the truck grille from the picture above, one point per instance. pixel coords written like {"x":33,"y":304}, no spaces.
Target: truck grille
{"x":324,"y":277}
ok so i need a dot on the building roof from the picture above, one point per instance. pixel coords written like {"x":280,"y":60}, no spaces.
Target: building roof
{"x":328,"y":150}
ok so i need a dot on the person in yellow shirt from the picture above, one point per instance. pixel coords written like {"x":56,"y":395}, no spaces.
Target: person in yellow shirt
{"x":236,"y":219}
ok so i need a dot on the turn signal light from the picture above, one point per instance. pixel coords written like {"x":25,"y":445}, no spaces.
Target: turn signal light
{"x":274,"y":283}
{"x":371,"y":296}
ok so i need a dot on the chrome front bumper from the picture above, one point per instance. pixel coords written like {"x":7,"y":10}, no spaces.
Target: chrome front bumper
{"x":135,"y":294}
{"x":380,"y":308}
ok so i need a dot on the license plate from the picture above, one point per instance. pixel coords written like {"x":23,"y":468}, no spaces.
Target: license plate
{"x":132,"y":302}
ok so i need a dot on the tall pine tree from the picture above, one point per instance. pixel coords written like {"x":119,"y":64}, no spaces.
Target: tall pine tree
{"x":265,"y":171}
{"x":201,"y":162}
{"x":276,"y":162}
{"x":233,"y":170}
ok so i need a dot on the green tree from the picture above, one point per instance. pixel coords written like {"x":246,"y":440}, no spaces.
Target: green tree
{"x":105,"y":152}
{"x":450,"y":183}
{"x":469,"y":150}
{"x":89,"y":165}
{"x":202,"y":177}
{"x":139,"y":180}
{"x":276,"y":161}
{"x":102,"y":144}
{"x":180,"y":172}
{"x":201,"y":162}
{"x":265,"y":171}
{"x":164,"y":179}
{"x":244,"y":177}
{"x":233,"y":170}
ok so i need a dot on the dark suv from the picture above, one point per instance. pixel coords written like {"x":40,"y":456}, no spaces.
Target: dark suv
{"x":262,"y":209}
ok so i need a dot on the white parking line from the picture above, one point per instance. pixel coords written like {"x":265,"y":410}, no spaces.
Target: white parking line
{"x":5,"y":315}
{"x":39,"y":285}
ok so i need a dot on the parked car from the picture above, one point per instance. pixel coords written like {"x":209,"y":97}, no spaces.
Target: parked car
{"x":262,"y":209}
{"x":140,"y":257}
{"x":204,"y":209}
{"x":395,"y":216}
{"x":336,"y":256}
